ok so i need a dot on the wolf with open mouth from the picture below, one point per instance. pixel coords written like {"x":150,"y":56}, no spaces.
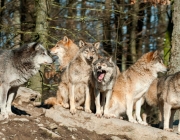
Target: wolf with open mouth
{"x":105,"y":73}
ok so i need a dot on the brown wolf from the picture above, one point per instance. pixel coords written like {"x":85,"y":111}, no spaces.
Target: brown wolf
{"x":66,"y":50}
{"x":133,"y":83}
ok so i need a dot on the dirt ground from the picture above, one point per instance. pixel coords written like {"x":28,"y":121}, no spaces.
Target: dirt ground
{"x":33,"y":125}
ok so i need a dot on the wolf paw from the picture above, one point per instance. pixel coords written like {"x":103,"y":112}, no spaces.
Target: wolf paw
{"x":79,"y":108}
{"x":142,"y":122}
{"x":133,"y":121}
{"x":73,"y":111}
{"x":66,"y":105}
{"x":107,"y":116}
{"x":168,"y":129}
{"x":5,"y":115}
{"x":99,"y":115}
{"x":88,"y":110}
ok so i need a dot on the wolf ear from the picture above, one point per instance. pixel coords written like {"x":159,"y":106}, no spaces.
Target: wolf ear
{"x":96,"y":45}
{"x":155,"y":54}
{"x":110,"y":59}
{"x":36,"y":45}
{"x":65,"y":39}
{"x":81,"y":43}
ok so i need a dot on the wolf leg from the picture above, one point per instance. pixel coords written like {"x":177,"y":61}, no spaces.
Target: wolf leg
{"x":106,"y":108}
{"x":72,"y":102}
{"x":11,"y":95}
{"x":173,"y":111}
{"x":4,"y":91}
{"x":87,"y":100}
{"x":179,"y":123}
{"x":167,"y":114}
{"x":129,"y":109}
{"x":138,"y":111}
{"x":97,"y":102}
{"x":63,"y":92}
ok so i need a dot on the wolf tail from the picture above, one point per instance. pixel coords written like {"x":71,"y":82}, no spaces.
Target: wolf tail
{"x":51,"y":101}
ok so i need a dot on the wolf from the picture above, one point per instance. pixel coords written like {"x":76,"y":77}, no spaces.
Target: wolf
{"x":133,"y":83}
{"x":168,"y":92}
{"x":105,"y":73}
{"x":66,"y":50}
{"x":79,"y":71}
{"x":16,"y":67}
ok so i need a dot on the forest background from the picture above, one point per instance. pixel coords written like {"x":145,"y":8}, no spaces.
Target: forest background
{"x":126,"y":29}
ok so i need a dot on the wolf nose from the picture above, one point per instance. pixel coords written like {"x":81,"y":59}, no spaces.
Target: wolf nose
{"x":99,"y":67}
{"x":91,"y":57}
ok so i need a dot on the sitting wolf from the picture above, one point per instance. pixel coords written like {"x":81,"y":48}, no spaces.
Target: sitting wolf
{"x":16,"y":67}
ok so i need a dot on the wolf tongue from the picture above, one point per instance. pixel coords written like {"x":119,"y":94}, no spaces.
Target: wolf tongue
{"x":101,"y":76}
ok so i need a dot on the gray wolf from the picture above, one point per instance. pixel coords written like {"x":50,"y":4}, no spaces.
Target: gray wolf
{"x":16,"y":67}
{"x":79,"y":71}
{"x":133,"y":83}
{"x":168,"y":92}
{"x":105,"y":73}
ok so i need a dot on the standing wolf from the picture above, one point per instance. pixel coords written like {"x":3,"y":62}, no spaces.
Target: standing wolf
{"x":133,"y":83}
{"x":16,"y":67}
{"x":168,"y":92}
{"x":105,"y":73}
{"x":79,"y":71}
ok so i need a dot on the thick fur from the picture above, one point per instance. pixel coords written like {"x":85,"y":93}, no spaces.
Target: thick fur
{"x":79,"y":71}
{"x":169,"y":99}
{"x":16,"y":67}
{"x":66,"y":50}
{"x":105,"y":73}
{"x":133,"y":83}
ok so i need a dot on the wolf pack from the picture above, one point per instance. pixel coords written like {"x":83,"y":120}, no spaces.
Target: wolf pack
{"x":92,"y":82}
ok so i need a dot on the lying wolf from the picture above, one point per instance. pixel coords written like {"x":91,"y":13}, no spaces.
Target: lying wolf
{"x":133,"y":83}
{"x":105,"y":73}
{"x":16,"y":67}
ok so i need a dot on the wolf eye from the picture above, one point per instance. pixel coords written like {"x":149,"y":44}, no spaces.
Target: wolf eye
{"x":86,"y":51}
{"x":43,"y":53}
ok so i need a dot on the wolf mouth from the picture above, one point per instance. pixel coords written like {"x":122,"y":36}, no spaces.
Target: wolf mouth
{"x":100,"y":75}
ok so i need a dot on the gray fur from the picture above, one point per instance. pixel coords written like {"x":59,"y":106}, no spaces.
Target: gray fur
{"x":16,"y":67}
{"x":80,"y":71}
{"x":104,"y":85}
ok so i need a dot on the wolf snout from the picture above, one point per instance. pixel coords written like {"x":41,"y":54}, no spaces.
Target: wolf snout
{"x":91,"y":57}
{"x":99,"y":67}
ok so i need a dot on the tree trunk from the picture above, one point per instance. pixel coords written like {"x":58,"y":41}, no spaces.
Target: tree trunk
{"x":17,"y":24}
{"x":175,"y":50}
{"x":134,"y":32}
{"x":41,"y":31}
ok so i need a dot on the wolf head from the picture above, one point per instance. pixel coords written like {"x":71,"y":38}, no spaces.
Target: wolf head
{"x":88,"y":51}
{"x":103,"y":69}
{"x":40,"y":54}
{"x":155,"y":62}
{"x":62,"y":47}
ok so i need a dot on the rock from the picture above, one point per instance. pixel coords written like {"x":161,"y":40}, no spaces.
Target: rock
{"x":112,"y":126}
{"x":26,"y":95}
{"x":115,"y":138}
{"x":53,"y":126}
{"x":21,"y":119}
{"x":54,"y":135}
